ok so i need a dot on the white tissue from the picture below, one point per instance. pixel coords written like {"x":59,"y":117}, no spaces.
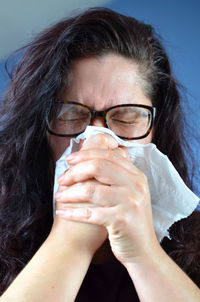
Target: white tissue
{"x":171,"y":199}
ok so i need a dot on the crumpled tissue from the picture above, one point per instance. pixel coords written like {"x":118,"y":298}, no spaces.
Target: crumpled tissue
{"x":171,"y":199}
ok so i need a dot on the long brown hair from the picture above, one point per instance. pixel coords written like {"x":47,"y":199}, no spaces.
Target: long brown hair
{"x":25,"y":181}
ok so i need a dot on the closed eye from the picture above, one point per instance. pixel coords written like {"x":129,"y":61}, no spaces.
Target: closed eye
{"x":124,"y":122}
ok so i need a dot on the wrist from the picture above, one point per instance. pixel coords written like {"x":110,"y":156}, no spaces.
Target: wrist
{"x":73,"y":235}
{"x":150,"y":258}
{"x":153,"y":263}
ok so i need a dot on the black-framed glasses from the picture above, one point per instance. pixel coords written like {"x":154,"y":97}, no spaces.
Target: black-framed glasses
{"x":128,"y":121}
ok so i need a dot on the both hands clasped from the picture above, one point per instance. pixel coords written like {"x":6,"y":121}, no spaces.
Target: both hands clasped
{"x":110,"y":192}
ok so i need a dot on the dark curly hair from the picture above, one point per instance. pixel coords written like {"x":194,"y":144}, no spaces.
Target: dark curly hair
{"x":26,"y":179}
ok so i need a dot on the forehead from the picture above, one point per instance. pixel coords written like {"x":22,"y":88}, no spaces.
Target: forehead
{"x":105,"y":81}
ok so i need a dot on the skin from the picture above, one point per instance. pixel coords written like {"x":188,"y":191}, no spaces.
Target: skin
{"x":101,"y":83}
{"x":101,"y":174}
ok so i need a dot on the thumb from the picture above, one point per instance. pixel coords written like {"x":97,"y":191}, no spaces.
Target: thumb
{"x":101,"y":141}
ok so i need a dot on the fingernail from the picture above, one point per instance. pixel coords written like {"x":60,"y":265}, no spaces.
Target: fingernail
{"x":60,"y":179}
{"x":70,"y":157}
{"x":60,"y":212}
{"x":58,"y":196}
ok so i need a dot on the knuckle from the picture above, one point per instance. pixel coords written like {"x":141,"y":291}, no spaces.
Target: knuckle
{"x":87,"y":213}
{"x":99,"y":139}
{"x":122,"y":152}
{"x":89,"y":190}
{"x":142,"y":184}
{"x":141,"y":187}
{"x":109,"y":154}
{"x":121,"y":220}
{"x":105,"y":141}
{"x":134,"y":203}
{"x":97,"y":165}
{"x":110,"y":142}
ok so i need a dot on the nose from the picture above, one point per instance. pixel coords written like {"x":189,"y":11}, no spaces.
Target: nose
{"x":98,"y":121}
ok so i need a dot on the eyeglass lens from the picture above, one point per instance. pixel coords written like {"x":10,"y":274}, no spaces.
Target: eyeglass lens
{"x":126,"y":121}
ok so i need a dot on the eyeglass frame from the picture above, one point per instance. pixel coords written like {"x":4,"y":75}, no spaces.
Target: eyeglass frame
{"x":102,"y":114}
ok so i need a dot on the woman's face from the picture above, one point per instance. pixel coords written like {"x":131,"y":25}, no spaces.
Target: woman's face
{"x":101,"y":83}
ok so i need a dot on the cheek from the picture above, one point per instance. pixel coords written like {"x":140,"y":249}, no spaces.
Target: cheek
{"x":146,"y":140}
{"x":57,"y":145}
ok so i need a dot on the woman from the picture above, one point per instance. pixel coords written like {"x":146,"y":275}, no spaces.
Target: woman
{"x":99,"y":60}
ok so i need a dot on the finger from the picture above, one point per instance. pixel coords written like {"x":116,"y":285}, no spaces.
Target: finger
{"x":93,"y":215}
{"x":118,"y":156}
{"x":125,"y":152}
{"x":104,"y":171}
{"x":88,"y":192}
{"x":61,"y":188}
{"x":101,"y":140}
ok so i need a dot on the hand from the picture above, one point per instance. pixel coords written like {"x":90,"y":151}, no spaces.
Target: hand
{"x":82,"y":235}
{"x":117,"y":197}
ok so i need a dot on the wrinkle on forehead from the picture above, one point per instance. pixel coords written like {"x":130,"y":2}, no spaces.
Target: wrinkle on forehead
{"x":105,"y":80}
